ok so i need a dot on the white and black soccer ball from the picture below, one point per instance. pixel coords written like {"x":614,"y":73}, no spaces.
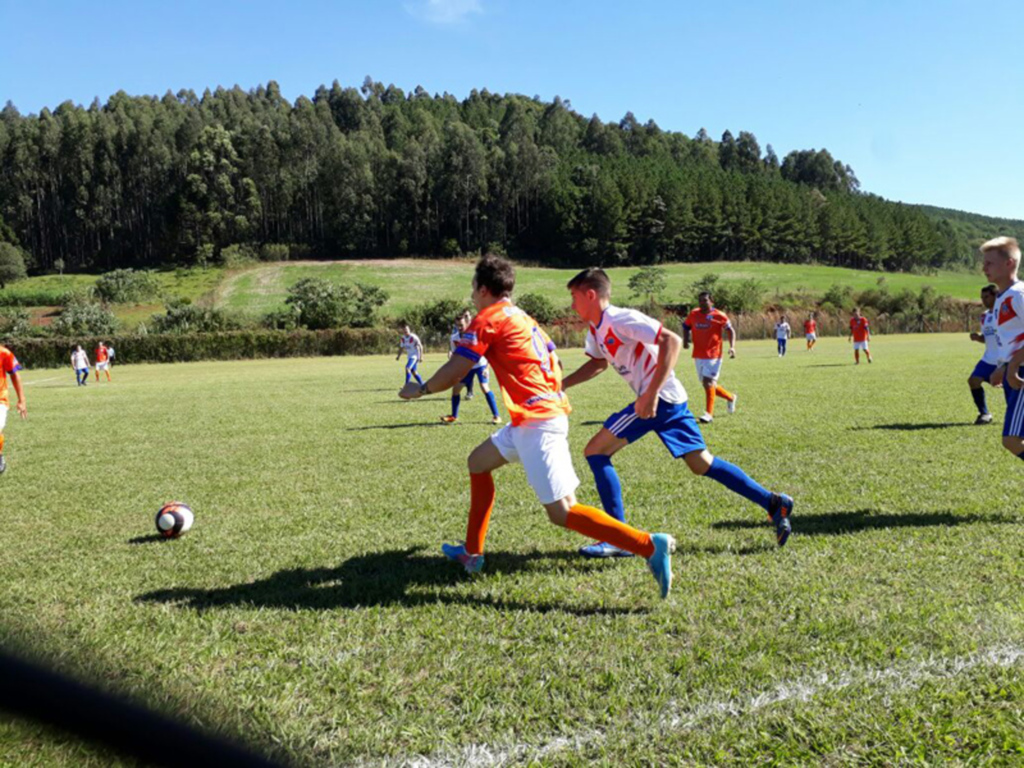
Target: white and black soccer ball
{"x":174,"y":519}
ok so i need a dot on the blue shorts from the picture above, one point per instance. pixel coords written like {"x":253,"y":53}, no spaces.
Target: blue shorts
{"x":984,"y":370}
{"x":479,"y":373}
{"x":1013,"y":424}
{"x":673,"y":423}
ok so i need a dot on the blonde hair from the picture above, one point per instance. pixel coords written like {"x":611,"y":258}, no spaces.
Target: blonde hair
{"x":1005,"y":245}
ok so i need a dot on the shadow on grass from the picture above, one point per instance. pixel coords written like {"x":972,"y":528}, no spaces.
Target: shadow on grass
{"x":148,"y":539}
{"x":828,"y":365}
{"x":381,"y":579}
{"x":908,"y":427}
{"x":839,"y":523}
{"x":417,"y":424}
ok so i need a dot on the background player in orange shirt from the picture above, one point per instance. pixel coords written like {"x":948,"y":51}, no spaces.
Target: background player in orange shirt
{"x":811,"y":330}
{"x":9,"y":366}
{"x":706,"y":326}
{"x":860,"y":334}
{"x":102,"y":361}
{"x":530,"y":375}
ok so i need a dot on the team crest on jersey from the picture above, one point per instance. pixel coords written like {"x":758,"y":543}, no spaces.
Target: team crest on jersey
{"x":612,"y":343}
{"x":1006,"y":310}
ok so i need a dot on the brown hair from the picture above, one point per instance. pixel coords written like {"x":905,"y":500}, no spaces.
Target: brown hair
{"x":495,"y":274}
{"x":592,"y":278}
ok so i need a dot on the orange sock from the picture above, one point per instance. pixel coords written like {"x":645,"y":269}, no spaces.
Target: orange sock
{"x":481,"y":504}
{"x":709,"y":400}
{"x":723,"y":392}
{"x":1,"y":443}
{"x":595,"y":524}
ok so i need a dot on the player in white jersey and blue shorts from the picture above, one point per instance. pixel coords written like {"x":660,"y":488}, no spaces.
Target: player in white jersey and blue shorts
{"x":1001,"y":259}
{"x":478,"y":372}
{"x":644,"y":353}
{"x":411,"y":345}
{"x":983,"y":371}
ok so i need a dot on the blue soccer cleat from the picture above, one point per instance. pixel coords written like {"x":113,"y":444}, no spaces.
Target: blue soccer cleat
{"x":782,"y":508}
{"x":603,"y":549}
{"x":458,"y":554}
{"x":660,"y":562}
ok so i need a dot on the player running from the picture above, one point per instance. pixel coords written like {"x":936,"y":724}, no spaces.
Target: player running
{"x":860,"y":334}
{"x":530,"y":374}
{"x":782,"y":333}
{"x":80,"y":365}
{"x":479,"y":372}
{"x":983,"y":371}
{"x":706,"y":325}
{"x":9,"y":366}
{"x":411,"y":345}
{"x":1001,"y":259}
{"x":644,"y":353}
{"x":102,"y":361}
{"x":453,"y":341}
{"x":811,"y":330}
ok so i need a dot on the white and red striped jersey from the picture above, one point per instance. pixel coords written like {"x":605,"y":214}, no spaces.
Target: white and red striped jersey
{"x":629,"y":341}
{"x":1010,"y":316}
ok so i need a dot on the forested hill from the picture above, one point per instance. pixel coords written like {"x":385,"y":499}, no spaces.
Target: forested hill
{"x":142,"y":181}
{"x":974,"y":228}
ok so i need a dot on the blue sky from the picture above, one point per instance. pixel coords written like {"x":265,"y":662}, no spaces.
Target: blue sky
{"x":923,"y":99}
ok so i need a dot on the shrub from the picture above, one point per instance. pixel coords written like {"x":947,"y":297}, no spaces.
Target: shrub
{"x":540,"y":308}
{"x":840,"y":296}
{"x":12,"y":264}
{"x":739,"y":297}
{"x":287,"y":319}
{"x":183,"y":317}
{"x":648,"y":283}
{"x":84,"y":318}
{"x":127,"y":286}
{"x":322,"y":304}
{"x":436,"y":317}
{"x":14,"y":322}
{"x":237,"y":255}
{"x":275,"y":252}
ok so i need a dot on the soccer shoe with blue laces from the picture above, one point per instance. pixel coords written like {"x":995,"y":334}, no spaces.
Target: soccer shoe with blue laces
{"x":782,"y":508}
{"x":660,"y":562}
{"x":603,"y":549}
{"x":457,"y":553}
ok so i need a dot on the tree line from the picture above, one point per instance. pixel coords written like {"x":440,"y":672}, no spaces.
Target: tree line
{"x":142,"y":181}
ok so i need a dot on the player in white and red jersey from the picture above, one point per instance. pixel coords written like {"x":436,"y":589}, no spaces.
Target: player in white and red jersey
{"x":1001,"y":259}
{"x":645,"y":353}
{"x":989,"y":336}
{"x":412,"y":346}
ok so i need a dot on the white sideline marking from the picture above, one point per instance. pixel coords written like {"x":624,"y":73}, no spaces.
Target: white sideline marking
{"x":682,"y":717}
{"x":40,"y":381}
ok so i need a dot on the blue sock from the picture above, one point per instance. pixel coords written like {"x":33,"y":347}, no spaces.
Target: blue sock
{"x":608,"y":486}
{"x":407,"y":377}
{"x":456,"y":399}
{"x":737,"y":481}
{"x":492,"y":403}
{"x":418,"y":379}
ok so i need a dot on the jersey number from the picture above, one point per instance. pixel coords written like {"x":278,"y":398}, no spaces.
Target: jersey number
{"x":541,"y":348}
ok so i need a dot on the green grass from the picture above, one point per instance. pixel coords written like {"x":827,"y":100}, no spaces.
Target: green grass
{"x":309,"y":609}
{"x":264,"y":288}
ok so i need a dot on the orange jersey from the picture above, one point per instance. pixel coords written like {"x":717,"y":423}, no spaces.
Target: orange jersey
{"x":810,"y":326}
{"x":523,"y":359}
{"x":706,"y":330}
{"x":859,"y":328}
{"x":8,"y":364}
{"x":101,"y":354}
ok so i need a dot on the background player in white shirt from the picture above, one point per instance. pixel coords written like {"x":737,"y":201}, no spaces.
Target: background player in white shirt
{"x":478,"y":371}
{"x":80,"y":364}
{"x":983,"y":371}
{"x":1001,"y":258}
{"x":412,"y":346}
{"x":782,"y":334}
{"x":645,"y":353}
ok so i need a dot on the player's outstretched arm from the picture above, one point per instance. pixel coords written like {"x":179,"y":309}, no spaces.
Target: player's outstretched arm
{"x":593,"y":367}
{"x":447,"y":376}
{"x":977,"y":337}
{"x":732,"y":340}
{"x":22,"y":407}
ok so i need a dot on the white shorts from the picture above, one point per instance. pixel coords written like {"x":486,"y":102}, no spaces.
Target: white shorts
{"x":542,"y":447}
{"x":708,"y":368}
{"x":3,"y":417}
{"x":102,"y":366}
{"x":860,"y":345}
{"x":812,"y":336}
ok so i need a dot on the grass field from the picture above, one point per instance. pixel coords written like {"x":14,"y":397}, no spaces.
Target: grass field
{"x":264,"y":288}
{"x":310,"y":613}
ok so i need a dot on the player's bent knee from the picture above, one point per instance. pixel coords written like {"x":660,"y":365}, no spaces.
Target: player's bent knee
{"x":558,"y":511}
{"x":699,"y":462}
{"x":1014,"y":445}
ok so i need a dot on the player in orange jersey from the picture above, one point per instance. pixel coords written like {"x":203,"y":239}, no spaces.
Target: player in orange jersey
{"x":811,"y":330}
{"x":530,"y":375}
{"x":102,"y":361}
{"x":9,"y":366}
{"x":860,"y":334}
{"x":706,"y":325}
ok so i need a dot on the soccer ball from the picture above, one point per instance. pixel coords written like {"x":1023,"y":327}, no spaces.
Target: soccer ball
{"x":173,"y":519}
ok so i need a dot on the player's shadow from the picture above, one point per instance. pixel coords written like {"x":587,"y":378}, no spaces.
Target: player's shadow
{"x":828,"y":365}
{"x":395,"y":577}
{"x":418,"y":424}
{"x":838,"y":523}
{"x":149,"y":539}
{"x":908,"y":427}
